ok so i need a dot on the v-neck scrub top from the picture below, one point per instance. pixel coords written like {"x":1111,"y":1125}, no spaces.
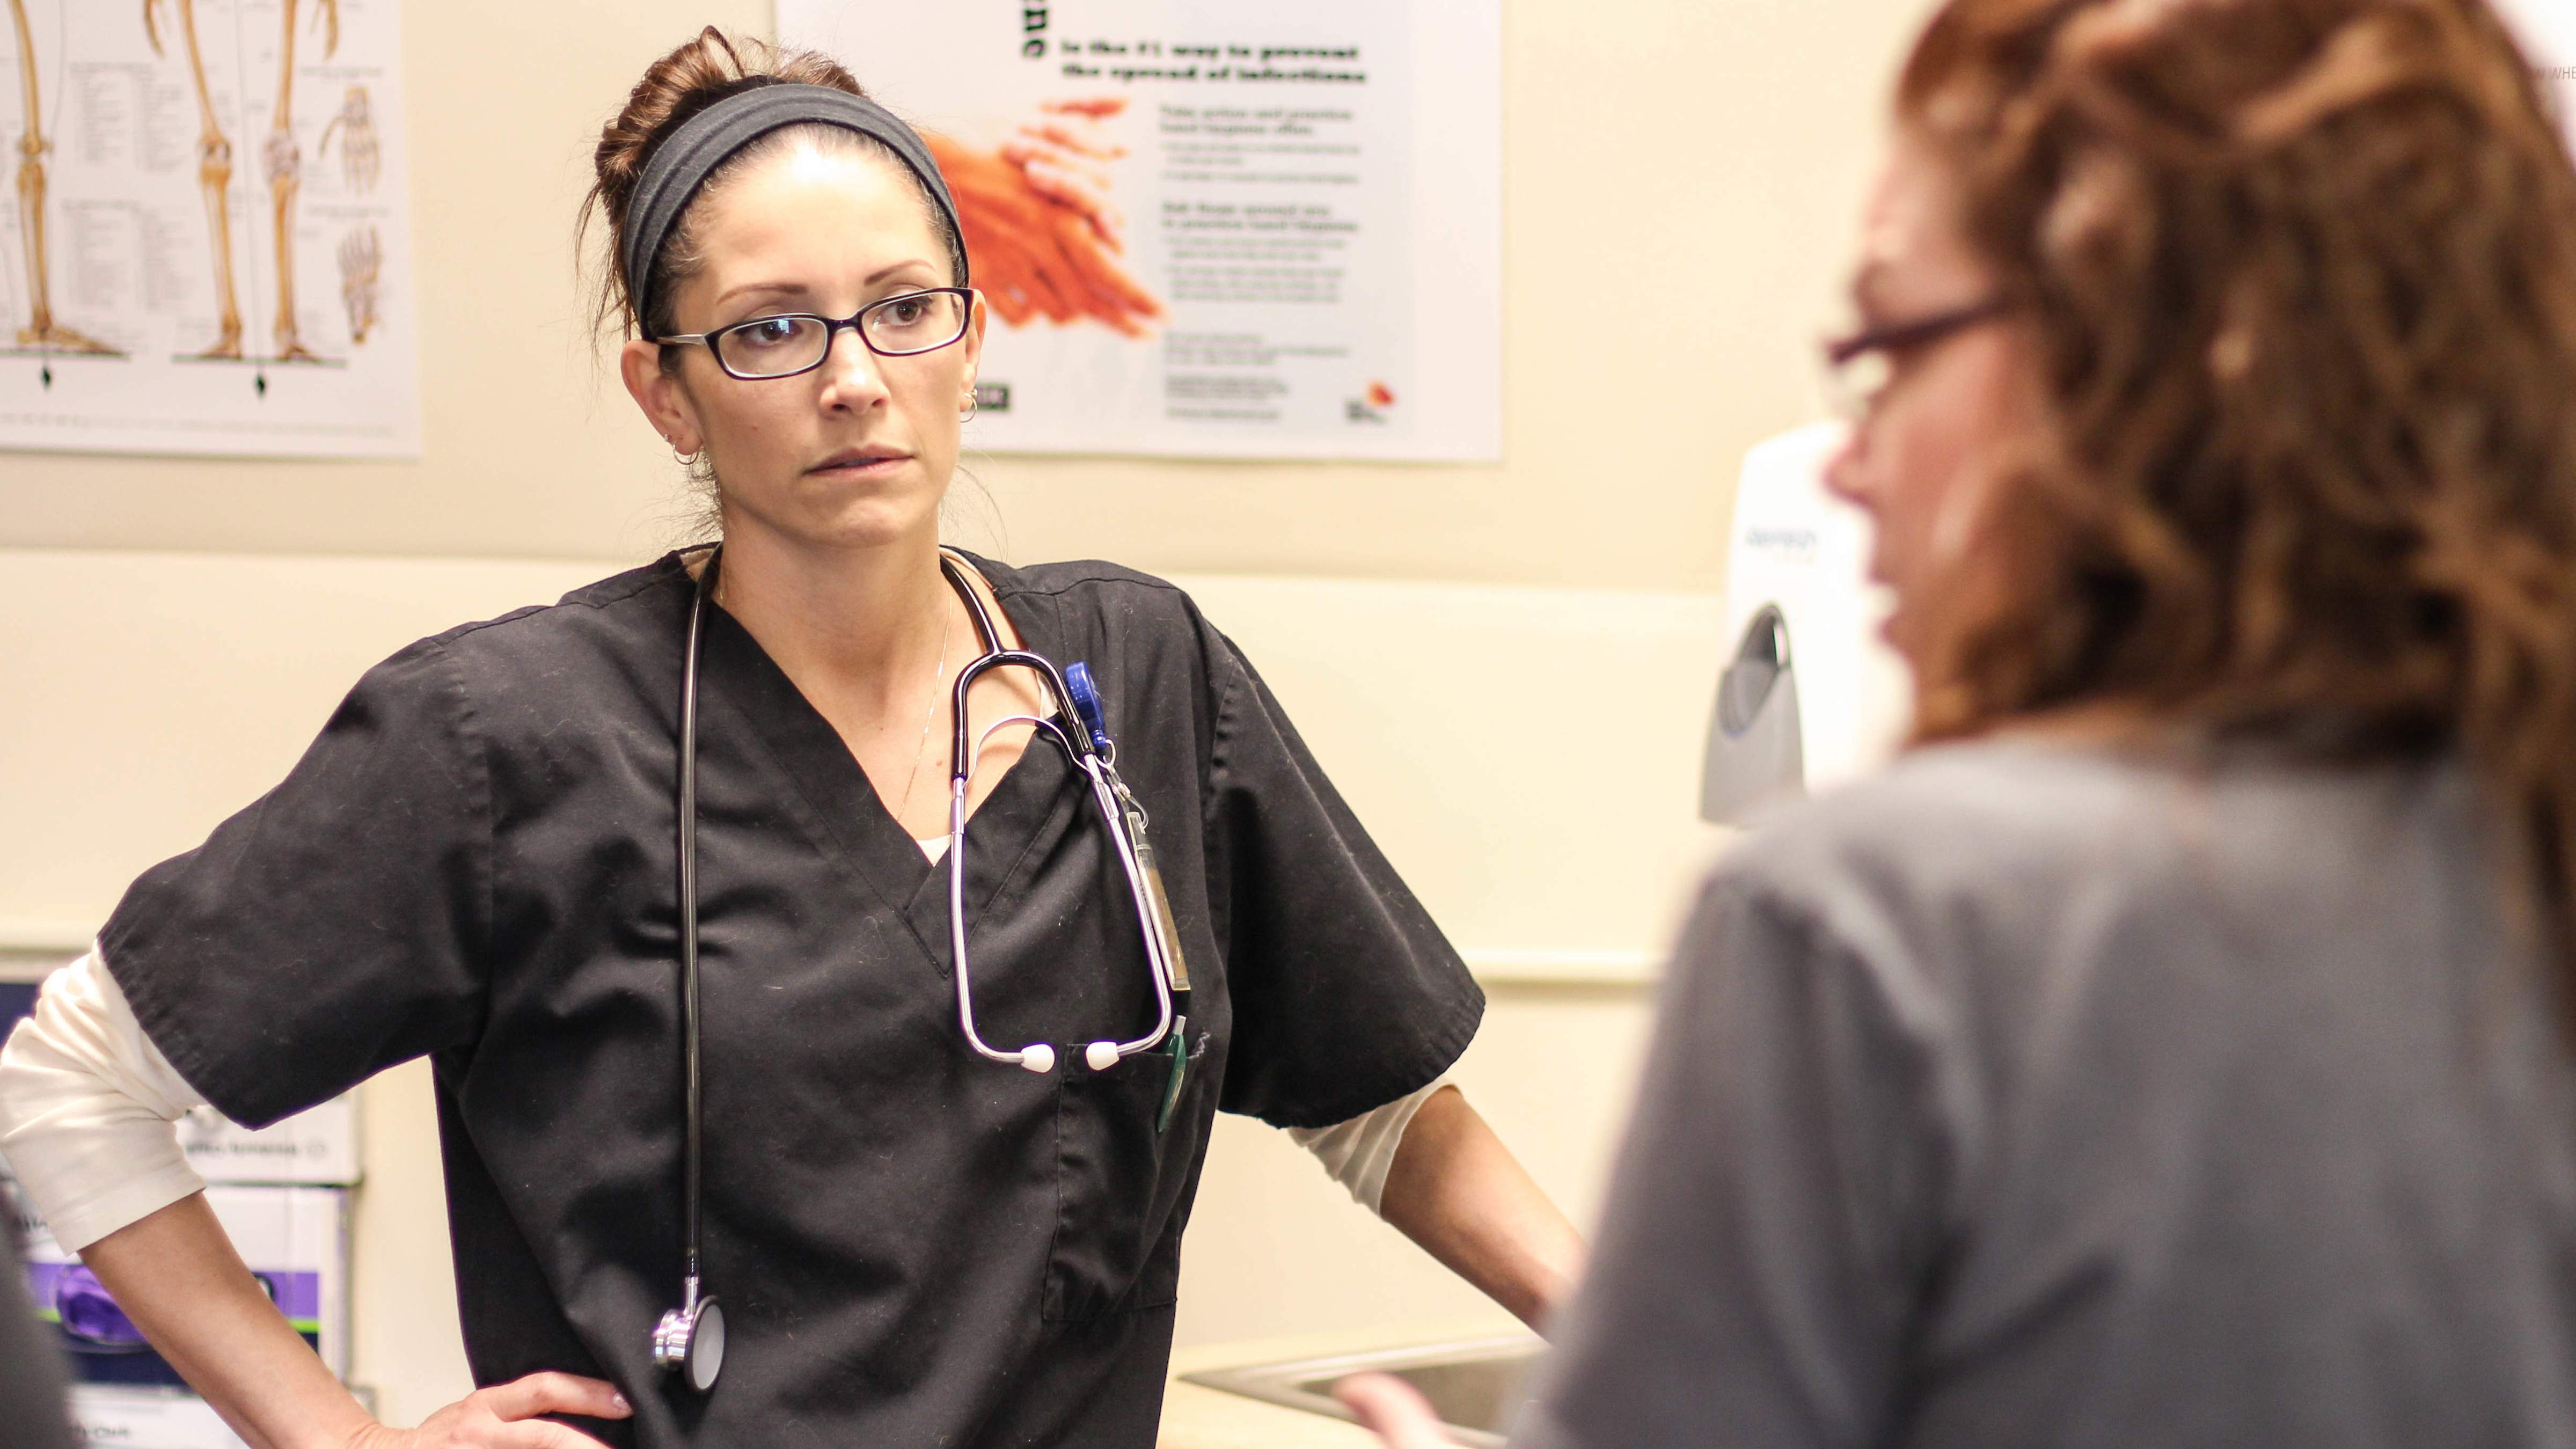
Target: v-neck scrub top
{"x":915,"y":1246}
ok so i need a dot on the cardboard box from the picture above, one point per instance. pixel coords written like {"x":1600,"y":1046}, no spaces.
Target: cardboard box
{"x":148,"y":1419}
{"x":294,"y":1239}
{"x":317,"y":1147}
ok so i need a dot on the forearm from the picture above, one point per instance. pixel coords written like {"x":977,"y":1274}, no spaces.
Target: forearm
{"x":178,"y":1277}
{"x":1458,"y":1192}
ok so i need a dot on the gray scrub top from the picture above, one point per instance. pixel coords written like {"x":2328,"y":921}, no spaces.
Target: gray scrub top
{"x":2036,"y":1095}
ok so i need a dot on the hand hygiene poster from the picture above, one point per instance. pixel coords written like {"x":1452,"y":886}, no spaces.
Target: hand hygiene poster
{"x":206,"y":249}
{"x":1213,"y":229}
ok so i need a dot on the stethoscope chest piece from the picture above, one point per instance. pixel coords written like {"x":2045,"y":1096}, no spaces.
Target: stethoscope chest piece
{"x":690,"y":1341}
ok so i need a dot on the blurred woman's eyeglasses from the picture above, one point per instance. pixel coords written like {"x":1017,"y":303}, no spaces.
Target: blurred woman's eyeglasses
{"x":1859,"y":368}
{"x":792,"y":342}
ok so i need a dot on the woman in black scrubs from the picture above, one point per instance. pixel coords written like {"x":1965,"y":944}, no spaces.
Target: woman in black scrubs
{"x":913,"y":1244}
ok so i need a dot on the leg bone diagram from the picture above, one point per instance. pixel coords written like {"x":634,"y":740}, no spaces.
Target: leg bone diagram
{"x":42,"y":332}
{"x":283,"y":165}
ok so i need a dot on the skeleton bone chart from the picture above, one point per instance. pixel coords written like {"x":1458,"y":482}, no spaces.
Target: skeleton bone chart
{"x":209,"y":242}
{"x":285,"y":164}
{"x":47,"y":336}
{"x":42,"y":332}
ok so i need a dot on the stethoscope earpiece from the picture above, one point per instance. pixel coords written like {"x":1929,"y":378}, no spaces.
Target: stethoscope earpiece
{"x":1082,"y":731}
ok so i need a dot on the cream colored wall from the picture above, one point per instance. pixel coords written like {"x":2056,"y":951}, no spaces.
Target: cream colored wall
{"x":1697,"y":159}
{"x":1694,"y":160}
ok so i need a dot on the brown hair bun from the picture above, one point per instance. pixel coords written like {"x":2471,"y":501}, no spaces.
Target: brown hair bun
{"x":703,"y":70}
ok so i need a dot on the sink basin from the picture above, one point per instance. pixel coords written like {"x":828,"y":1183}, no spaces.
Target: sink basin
{"x":1477,"y":1385}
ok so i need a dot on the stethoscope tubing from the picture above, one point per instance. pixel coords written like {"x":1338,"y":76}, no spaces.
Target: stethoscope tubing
{"x":681,"y":1340}
{"x":692,"y":1157}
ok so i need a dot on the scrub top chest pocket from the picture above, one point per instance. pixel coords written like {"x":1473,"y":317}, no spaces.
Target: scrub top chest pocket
{"x":1122,"y":1187}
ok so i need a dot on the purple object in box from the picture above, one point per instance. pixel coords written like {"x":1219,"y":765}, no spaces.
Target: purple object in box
{"x":89,"y":1317}
{"x":104,"y":1346}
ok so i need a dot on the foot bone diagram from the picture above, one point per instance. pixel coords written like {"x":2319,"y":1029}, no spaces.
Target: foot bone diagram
{"x":42,"y":331}
{"x":284,"y":167}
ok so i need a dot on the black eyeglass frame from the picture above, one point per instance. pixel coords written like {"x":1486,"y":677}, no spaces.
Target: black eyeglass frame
{"x":1892,"y":338}
{"x":832,"y":328}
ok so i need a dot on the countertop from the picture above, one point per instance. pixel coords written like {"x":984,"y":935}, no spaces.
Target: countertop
{"x":1197,"y":1417}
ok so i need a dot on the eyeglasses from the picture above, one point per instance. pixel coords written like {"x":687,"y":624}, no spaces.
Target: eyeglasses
{"x":903,"y":325}
{"x":1859,"y":368}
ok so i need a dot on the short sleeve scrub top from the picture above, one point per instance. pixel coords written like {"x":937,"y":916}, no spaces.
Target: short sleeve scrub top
{"x":915,"y":1246}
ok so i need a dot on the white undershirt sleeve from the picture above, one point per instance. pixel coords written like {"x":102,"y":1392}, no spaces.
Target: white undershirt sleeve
{"x":87,"y":1104}
{"x":1357,"y":1153}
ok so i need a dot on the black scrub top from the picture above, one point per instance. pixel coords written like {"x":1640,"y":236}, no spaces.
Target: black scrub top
{"x":914,"y":1245}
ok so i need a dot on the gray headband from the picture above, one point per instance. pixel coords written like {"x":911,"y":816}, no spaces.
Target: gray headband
{"x":682,"y":164}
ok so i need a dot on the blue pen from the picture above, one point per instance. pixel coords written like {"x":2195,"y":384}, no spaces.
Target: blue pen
{"x":1086,"y":703}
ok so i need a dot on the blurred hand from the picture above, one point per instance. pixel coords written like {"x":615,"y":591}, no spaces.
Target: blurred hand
{"x":360,"y":155}
{"x":505,"y":1417}
{"x":1042,"y":236}
{"x":1060,"y":154}
{"x":1393,"y":1410}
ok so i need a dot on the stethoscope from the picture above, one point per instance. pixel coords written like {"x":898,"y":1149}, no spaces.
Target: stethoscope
{"x":690,"y":1339}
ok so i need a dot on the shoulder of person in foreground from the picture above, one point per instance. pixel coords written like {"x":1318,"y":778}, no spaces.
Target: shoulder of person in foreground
{"x":2033,"y":849}
{"x":1818,"y":1092}
{"x":1958,"y":850}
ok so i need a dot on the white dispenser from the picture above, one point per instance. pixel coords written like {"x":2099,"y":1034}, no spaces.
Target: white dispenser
{"x":1809,"y":695}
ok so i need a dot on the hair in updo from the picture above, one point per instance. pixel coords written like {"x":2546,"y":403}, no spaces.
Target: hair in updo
{"x":702,"y":71}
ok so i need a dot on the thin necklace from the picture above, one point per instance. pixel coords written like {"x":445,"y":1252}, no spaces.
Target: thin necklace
{"x":929,"y":714}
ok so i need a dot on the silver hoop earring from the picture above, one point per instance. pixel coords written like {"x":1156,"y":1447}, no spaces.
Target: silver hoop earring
{"x":968,"y":416}
{"x":686,"y":460}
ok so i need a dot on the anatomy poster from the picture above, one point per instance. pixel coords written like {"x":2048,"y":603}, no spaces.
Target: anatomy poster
{"x":207,"y":247}
{"x":1211,"y":228}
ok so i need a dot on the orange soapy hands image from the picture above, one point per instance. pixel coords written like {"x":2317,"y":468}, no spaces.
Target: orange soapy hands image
{"x":1042,"y":237}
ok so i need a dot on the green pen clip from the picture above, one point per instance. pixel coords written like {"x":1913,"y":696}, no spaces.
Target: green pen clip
{"x":1179,"y":1046}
